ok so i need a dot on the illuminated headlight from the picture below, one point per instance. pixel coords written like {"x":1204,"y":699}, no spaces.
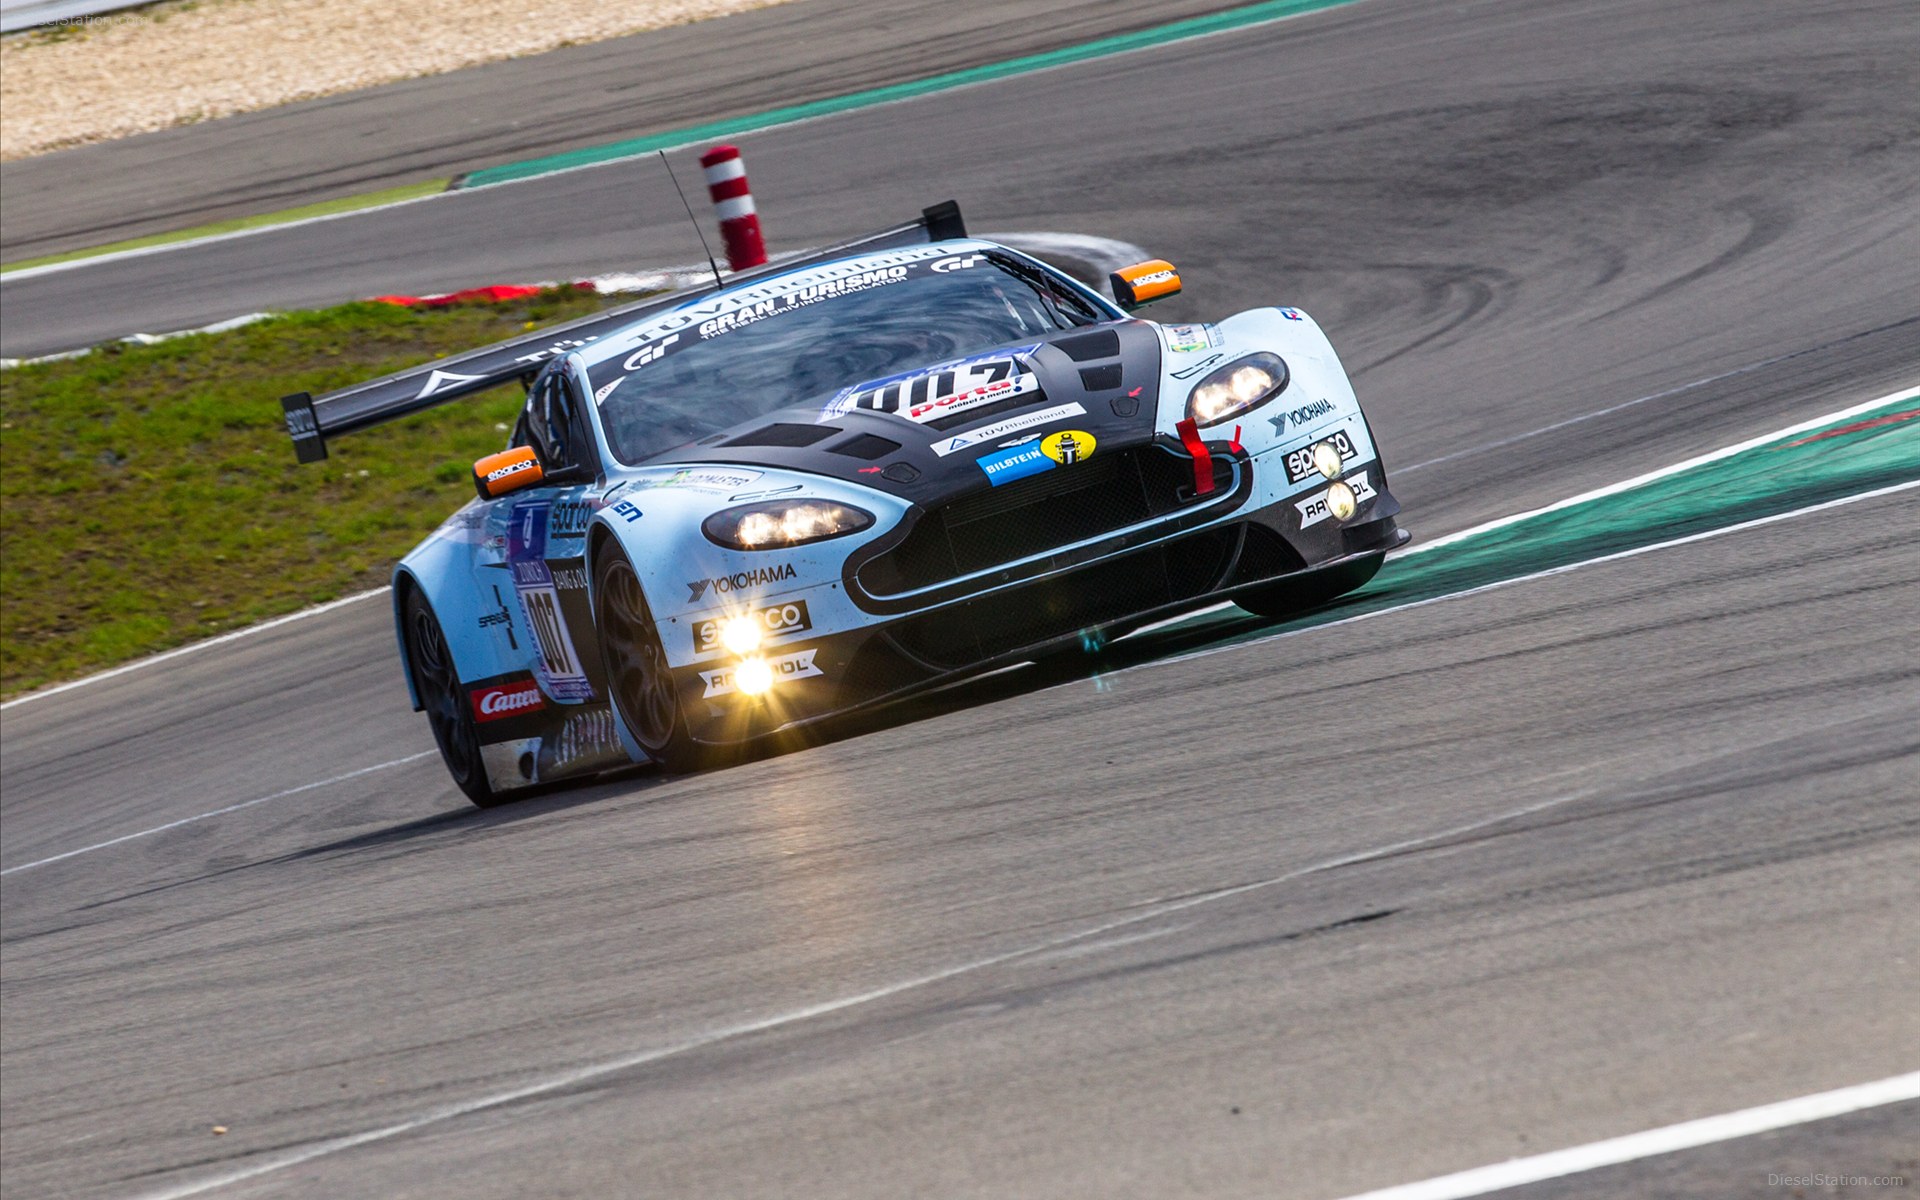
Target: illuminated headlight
{"x":1243,"y":384}
{"x":1326,"y":459}
{"x":753,"y":676}
{"x":740,"y":635}
{"x":1340,"y":501}
{"x":777,"y":524}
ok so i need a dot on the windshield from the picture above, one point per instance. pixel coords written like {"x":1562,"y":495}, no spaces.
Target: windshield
{"x":819,"y":338}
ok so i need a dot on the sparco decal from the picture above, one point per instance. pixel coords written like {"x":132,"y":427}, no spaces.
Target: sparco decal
{"x":1300,"y":462}
{"x":507,"y":700}
{"x":775,"y":620}
{"x":738,"y":581}
{"x":1306,"y":414}
{"x":798,"y":665}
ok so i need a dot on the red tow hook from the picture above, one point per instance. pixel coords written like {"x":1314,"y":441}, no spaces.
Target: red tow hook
{"x":1202,"y":457}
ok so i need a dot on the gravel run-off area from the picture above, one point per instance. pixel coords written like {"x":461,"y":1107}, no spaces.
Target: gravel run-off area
{"x":89,"y":80}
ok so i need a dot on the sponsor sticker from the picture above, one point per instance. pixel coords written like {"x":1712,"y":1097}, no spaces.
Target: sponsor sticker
{"x":706,"y":479}
{"x":501,"y":700}
{"x":1314,"y":510}
{"x":1000,"y":429}
{"x":533,"y":579}
{"x":640,"y":358}
{"x":797,"y":665}
{"x":1005,"y":466}
{"x":775,"y":620}
{"x":1292,"y":314}
{"x":800,"y":297}
{"x":739,"y":581}
{"x":1300,"y":462}
{"x":1306,"y":414}
{"x":1188,"y":339}
{"x":1067,"y":447}
{"x":930,"y":393}
{"x":588,"y":736}
{"x":959,"y":263}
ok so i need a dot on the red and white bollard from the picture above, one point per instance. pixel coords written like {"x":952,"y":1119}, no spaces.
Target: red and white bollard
{"x":739,"y":222}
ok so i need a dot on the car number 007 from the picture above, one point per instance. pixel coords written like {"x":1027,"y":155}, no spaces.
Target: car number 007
{"x":543,"y":614}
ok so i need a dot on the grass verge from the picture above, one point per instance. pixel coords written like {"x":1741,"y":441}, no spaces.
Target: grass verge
{"x":151,"y":498}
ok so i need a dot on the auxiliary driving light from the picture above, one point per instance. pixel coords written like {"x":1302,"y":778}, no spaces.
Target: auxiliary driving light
{"x":1340,"y":501}
{"x":1326,"y":459}
{"x":753,"y":676}
{"x":740,"y":635}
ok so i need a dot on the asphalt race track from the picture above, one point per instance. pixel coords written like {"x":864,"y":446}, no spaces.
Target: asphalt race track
{"x":1373,"y":902}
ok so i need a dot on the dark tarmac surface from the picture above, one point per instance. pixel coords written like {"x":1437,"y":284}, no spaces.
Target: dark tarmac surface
{"x":1558,"y":862}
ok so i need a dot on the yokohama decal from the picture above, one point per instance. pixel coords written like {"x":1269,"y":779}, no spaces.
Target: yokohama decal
{"x":507,"y":700}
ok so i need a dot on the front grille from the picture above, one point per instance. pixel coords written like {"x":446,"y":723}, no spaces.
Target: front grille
{"x":1081,"y":600}
{"x":1037,"y":514}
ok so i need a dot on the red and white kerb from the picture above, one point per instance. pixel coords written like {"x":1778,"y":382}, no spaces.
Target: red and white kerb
{"x":739,"y":222}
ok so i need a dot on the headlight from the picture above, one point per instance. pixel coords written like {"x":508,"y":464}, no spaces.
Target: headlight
{"x":1242,"y":384}
{"x":777,"y":524}
{"x":1341,"y":501}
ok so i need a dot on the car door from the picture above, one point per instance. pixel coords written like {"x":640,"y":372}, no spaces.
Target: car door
{"x":543,"y":532}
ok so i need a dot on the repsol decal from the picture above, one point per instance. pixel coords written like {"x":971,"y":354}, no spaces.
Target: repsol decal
{"x":739,"y":581}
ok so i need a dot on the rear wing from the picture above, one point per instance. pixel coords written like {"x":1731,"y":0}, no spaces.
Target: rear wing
{"x":311,"y":420}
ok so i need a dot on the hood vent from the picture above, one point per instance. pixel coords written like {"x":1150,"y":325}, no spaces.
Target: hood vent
{"x":1100,"y":379}
{"x":1084,"y":347}
{"x":784,"y":435}
{"x":868,"y":446}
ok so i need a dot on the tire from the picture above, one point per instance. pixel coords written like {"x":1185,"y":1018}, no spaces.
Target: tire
{"x":1287,"y":598}
{"x":437,"y":684}
{"x":638,"y":679}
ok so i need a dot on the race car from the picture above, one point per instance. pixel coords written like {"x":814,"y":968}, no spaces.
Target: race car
{"x":848,"y":477}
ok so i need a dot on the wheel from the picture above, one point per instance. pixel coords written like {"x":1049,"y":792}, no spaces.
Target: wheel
{"x":1296,"y":596}
{"x":438,"y":685}
{"x":638,"y":678}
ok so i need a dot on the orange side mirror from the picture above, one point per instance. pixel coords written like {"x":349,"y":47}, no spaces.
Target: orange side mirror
{"x":508,"y":471}
{"x":1143,"y":283}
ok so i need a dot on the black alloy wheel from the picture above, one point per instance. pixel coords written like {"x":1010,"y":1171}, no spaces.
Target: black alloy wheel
{"x":438,"y":685}
{"x":638,"y":677}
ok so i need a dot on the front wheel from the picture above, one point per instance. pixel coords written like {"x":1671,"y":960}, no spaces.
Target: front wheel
{"x":638,"y":677}
{"x":438,"y":685}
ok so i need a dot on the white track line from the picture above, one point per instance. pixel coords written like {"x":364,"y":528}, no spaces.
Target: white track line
{"x":1684,"y":1136}
{"x":292,"y":791}
{"x":1910,"y":392}
{"x":1148,"y":912}
{"x":1550,"y":572}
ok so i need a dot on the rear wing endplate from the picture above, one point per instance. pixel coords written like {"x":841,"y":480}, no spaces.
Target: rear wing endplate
{"x":312,"y":420}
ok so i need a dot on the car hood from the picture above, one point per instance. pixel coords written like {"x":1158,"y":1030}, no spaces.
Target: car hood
{"x":1111,"y":372}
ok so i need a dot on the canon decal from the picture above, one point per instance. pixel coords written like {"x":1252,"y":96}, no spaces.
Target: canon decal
{"x":507,"y":699}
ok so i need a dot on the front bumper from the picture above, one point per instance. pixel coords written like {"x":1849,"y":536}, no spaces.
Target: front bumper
{"x":1083,"y":593}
